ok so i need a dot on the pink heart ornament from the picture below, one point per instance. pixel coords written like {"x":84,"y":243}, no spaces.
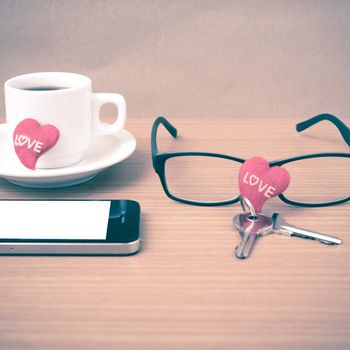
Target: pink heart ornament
{"x":259,"y":182}
{"x":31,"y":140}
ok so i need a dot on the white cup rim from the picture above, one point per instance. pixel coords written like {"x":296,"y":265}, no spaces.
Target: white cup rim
{"x":74,"y":81}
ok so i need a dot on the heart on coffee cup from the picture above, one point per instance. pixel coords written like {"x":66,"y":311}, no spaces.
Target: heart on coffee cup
{"x":31,"y":140}
{"x":259,"y":182}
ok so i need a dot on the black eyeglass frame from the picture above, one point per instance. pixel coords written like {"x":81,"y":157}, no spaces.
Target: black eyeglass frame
{"x":159,"y":159}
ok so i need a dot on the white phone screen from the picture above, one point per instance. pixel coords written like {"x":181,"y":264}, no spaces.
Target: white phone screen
{"x":54,"y":219}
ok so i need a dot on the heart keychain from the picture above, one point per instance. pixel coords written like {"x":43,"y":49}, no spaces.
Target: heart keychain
{"x":31,"y":140}
{"x":259,"y":182}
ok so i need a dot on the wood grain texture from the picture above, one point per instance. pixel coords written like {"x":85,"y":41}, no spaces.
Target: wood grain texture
{"x":185,"y":289}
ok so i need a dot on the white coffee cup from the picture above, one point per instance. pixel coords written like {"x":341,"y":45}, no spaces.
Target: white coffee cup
{"x":66,"y":101}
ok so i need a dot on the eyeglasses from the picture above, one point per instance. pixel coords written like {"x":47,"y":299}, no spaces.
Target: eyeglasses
{"x":211,"y":179}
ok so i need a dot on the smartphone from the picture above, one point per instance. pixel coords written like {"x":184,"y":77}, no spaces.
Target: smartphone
{"x":70,"y":227}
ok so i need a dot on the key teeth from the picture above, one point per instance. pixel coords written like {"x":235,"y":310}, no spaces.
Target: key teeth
{"x":331,"y":243}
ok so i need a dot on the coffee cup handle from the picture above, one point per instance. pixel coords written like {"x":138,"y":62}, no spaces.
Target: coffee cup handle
{"x":98,"y":100}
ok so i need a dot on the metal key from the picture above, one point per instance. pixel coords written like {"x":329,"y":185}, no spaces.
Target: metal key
{"x":282,"y":227}
{"x":250,"y":228}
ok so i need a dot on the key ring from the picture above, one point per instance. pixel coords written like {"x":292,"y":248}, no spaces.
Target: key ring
{"x":246,"y":202}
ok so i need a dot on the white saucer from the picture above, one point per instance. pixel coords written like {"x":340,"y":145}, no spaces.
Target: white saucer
{"x":104,"y":152}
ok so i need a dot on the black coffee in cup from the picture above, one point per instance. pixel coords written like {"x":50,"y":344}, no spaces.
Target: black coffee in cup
{"x":44,"y":88}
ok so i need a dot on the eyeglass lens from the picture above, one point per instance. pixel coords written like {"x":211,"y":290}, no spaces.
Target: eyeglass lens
{"x":202,"y":179}
{"x":318,"y":180}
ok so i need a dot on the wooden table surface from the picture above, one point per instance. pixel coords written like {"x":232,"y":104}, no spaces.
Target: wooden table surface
{"x":185,"y":289}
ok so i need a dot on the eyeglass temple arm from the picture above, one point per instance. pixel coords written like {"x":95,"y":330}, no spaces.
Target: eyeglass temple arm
{"x":172,"y":130}
{"x":343,"y":129}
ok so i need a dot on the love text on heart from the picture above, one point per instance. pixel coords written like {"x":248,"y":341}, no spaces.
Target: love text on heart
{"x":23,"y":140}
{"x":253,"y":180}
